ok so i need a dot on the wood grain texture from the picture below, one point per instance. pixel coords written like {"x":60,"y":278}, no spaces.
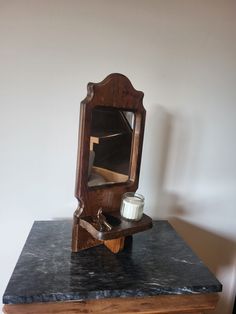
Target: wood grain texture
{"x":115,"y":245}
{"x":150,"y":305}
{"x":117,"y":92}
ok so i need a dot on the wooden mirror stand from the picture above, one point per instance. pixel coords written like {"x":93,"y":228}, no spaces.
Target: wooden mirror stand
{"x":104,"y":122}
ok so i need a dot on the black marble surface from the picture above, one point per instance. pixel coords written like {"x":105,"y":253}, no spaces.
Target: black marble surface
{"x":158,"y":262}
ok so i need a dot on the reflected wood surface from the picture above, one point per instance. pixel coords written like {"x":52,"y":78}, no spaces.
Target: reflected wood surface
{"x":111,"y":139}
{"x":110,"y":176}
{"x":149,"y":305}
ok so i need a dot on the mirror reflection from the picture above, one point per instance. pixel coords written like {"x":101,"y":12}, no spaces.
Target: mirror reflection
{"x":110,"y":146}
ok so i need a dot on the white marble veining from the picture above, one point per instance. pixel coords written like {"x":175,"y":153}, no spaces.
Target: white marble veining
{"x":156,"y":262}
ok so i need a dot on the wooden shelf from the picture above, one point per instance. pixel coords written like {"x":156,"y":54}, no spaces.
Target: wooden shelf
{"x":120,"y":226}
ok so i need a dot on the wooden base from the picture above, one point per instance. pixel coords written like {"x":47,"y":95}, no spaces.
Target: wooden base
{"x":116,"y":245}
{"x":85,"y":235}
{"x":180,"y":304}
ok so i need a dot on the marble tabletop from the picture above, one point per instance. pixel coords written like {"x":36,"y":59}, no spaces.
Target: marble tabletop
{"x":157,"y":262}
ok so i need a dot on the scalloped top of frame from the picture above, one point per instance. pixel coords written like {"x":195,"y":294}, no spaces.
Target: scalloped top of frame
{"x":115,"y":91}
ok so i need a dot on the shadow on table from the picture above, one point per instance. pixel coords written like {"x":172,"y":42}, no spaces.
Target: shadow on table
{"x":216,"y":252}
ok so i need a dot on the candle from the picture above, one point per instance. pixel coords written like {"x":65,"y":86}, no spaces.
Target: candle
{"x":132,"y":206}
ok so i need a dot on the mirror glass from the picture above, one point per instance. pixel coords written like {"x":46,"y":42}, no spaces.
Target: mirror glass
{"x":110,"y":146}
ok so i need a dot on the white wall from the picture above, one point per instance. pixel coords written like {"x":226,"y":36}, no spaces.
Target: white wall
{"x":182,"y":54}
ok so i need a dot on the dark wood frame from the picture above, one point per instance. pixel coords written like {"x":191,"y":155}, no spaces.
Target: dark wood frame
{"x":115,"y":91}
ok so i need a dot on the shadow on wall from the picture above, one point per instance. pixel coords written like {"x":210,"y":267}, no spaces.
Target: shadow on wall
{"x":172,"y":159}
{"x":155,"y":151}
